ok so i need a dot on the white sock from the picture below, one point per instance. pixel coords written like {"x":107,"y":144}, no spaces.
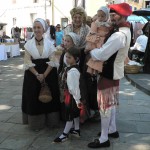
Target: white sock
{"x":76,"y":123}
{"x":105,"y":121}
{"x":67,"y":128}
{"x":112,"y":126}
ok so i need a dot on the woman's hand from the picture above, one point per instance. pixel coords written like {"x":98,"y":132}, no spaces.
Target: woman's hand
{"x":41,"y":77}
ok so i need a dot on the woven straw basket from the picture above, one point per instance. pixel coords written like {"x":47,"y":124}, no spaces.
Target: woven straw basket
{"x":45,"y":95}
{"x":132,"y":69}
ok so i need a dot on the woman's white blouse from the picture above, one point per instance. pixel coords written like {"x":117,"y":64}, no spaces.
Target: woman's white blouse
{"x":45,"y":50}
{"x":73,"y":77}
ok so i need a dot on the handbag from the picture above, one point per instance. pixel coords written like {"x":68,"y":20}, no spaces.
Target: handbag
{"x":45,"y":95}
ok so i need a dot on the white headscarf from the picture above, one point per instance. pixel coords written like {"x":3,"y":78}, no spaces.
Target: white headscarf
{"x":43,"y":23}
{"x":75,"y":38}
{"x":106,"y":11}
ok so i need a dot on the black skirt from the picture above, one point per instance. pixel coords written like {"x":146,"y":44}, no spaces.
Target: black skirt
{"x":31,"y":89}
{"x":91,"y":87}
{"x":71,"y":109}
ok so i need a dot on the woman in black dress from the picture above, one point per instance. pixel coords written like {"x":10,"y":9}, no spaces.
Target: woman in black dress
{"x":40,"y":64}
{"x":89,"y":85}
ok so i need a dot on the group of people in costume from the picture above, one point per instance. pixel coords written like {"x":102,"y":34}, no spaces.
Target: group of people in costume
{"x":86,"y":79}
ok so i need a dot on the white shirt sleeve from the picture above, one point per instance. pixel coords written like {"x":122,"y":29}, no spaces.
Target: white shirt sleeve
{"x":73,"y":77}
{"x":52,"y":57}
{"x":140,"y":44}
{"x":113,"y":44}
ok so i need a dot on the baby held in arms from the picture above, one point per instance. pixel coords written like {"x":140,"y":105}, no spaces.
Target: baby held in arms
{"x":100,"y":30}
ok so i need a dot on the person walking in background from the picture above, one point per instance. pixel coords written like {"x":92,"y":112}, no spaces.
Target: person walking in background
{"x":113,"y":53}
{"x":59,"y":35}
{"x":40,"y":65}
{"x":140,"y":46}
{"x":71,"y":82}
{"x":51,"y":32}
{"x":4,"y":36}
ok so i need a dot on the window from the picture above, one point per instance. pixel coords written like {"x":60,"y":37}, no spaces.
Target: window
{"x":33,"y":17}
{"x":64,"y":22}
{"x":79,"y":3}
{"x":35,"y":1}
{"x":14,"y":21}
{"x":148,"y":6}
{"x":137,"y":1}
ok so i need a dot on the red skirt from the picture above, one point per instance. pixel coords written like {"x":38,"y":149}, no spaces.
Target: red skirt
{"x":107,"y":93}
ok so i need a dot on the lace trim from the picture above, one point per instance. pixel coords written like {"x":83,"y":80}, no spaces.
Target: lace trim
{"x":27,"y":66}
{"x":53,"y":64}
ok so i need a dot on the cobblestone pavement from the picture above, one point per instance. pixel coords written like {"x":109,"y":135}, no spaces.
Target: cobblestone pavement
{"x":133,"y":118}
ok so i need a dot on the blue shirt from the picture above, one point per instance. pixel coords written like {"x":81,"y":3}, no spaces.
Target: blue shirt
{"x":59,"y":36}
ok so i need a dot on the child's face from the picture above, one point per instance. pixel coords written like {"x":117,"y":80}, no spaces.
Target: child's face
{"x":101,"y":16}
{"x":70,"y":59}
{"x":68,"y":43}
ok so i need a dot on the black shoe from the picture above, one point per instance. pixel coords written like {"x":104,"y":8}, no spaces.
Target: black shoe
{"x":59,"y":140}
{"x":112,"y":135}
{"x":97,"y":144}
{"x":75,"y":133}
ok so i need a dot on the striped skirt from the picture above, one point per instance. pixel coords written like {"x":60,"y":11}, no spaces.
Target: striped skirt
{"x":107,"y":94}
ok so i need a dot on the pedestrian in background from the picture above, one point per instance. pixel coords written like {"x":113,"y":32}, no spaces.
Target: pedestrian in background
{"x":51,"y":32}
{"x":59,"y":35}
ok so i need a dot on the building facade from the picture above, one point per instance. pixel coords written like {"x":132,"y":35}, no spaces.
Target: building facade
{"x":138,"y":4}
{"x":21,"y":13}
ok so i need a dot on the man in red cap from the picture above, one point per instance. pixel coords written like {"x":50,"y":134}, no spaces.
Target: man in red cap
{"x":113,"y":54}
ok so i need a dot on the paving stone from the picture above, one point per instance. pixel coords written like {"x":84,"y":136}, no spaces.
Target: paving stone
{"x":17,"y":97}
{"x":133,"y":118}
{"x":130,"y":138}
{"x":4,"y":108}
{"x":22,"y":129}
{"x":133,"y":109}
{"x":127,"y":126}
{"x":4,"y":126}
{"x":17,"y":142}
{"x":3,"y":136}
{"x":126,"y":146}
{"x":4,"y":116}
{"x":125,"y":97}
{"x":143,"y":127}
{"x":15,"y":109}
{"x":128,"y":116}
{"x":145,"y":117}
{"x":15,"y":102}
{"x":145,"y":103}
{"x":3,"y":99}
{"x":16,"y":118}
{"x":141,"y":97}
